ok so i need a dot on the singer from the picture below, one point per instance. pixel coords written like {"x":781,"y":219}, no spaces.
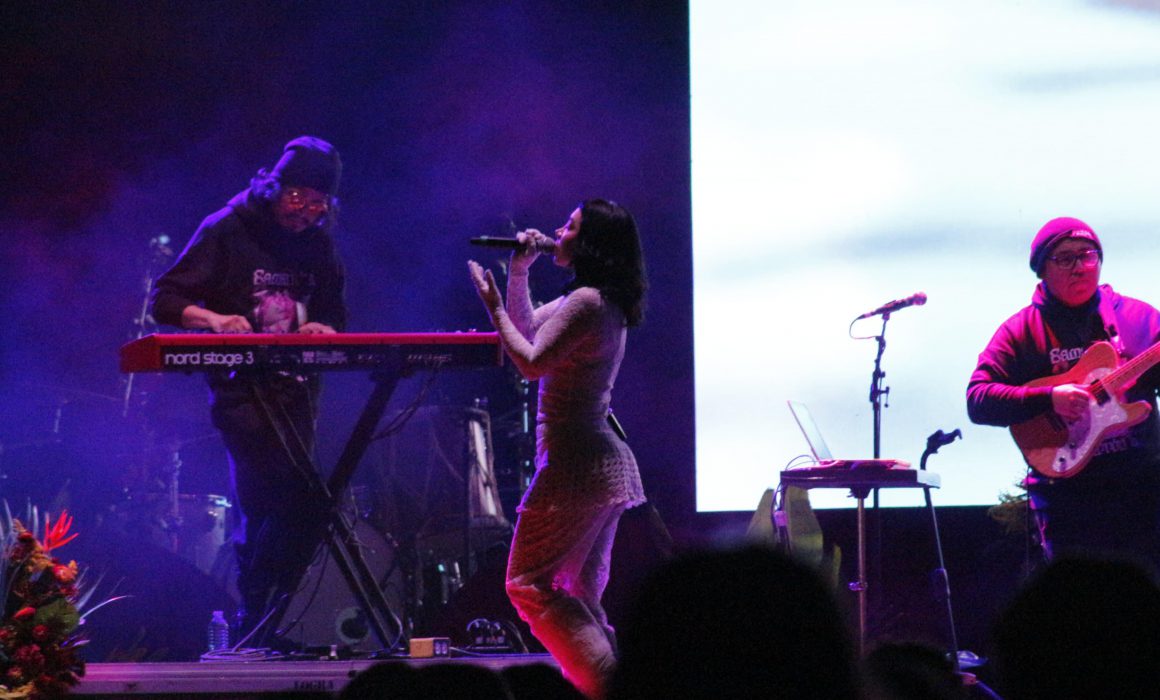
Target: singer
{"x":1113,"y":504}
{"x":586,"y":476}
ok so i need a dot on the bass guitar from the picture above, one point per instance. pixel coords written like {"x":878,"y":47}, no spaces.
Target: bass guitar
{"x":1059,"y":449}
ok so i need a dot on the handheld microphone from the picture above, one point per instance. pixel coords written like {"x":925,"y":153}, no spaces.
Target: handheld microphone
{"x":547,"y":246}
{"x":916,"y":299}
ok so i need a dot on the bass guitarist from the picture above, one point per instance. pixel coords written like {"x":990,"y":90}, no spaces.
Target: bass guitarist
{"x":1036,"y":375}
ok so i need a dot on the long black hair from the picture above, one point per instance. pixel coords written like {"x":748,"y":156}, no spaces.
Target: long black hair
{"x":608,"y":257}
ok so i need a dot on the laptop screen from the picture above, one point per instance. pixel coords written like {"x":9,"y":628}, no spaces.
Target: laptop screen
{"x":810,"y":430}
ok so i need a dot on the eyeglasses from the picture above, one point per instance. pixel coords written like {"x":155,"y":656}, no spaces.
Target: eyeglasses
{"x":1087,"y":258}
{"x":296,"y":200}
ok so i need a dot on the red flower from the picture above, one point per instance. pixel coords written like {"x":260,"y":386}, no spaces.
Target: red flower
{"x":41,"y":633}
{"x":15,"y":673}
{"x":57,"y":535}
{"x":24,"y":613}
{"x":29,"y":655}
{"x":63,"y":573}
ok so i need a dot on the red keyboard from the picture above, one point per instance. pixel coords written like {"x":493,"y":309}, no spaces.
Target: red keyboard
{"x":205,"y":352}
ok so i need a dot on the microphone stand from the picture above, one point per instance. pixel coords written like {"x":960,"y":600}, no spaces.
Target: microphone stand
{"x":159,"y":256}
{"x":939,"y":578}
{"x":878,"y":394}
{"x":879,"y":399}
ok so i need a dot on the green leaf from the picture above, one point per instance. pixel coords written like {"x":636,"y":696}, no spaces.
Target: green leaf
{"x":60,"y":612}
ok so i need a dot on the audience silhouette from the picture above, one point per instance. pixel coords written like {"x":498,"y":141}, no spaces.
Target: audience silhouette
{"x":395,"y":680}
{"x":1082,"y":628}
{"x":539,"y":682}
{"x":755,"y":623}
{"x":911,"y":671}
{"x":741,"y":623}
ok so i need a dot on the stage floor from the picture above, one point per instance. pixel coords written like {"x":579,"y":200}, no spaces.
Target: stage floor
{"x":241,"y":679}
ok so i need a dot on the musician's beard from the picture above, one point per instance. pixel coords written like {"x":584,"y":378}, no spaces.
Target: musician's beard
{"x":295,"y":222}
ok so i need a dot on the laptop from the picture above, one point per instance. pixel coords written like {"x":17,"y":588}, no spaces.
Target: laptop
{"x":823,"y":458}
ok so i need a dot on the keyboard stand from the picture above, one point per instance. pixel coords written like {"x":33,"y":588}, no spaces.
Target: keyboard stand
{"x":860,"y":482}
{"x":389,"y":357}
{"x":339,"y":534}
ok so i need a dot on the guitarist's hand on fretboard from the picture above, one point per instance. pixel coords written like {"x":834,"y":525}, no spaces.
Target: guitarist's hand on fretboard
{"x":1070,"y":401}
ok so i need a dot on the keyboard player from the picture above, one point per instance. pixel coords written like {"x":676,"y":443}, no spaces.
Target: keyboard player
{"x":266,"y":263}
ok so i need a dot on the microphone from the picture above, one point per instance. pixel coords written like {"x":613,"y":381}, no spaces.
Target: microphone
{"x":547,"y":246}
{"x":916,"y":299}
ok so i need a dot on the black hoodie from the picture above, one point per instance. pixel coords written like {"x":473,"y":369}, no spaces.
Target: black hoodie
{"x":240,"y":262}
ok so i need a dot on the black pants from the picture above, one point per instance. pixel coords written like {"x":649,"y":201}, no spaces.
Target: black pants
{"x":281,"y":517}
{"x":1088,"y":518}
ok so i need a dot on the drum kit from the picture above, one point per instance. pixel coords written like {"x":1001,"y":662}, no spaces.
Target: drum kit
{"x":425,"y":503}
{"x":435,"y":489}
{"x":76,"y":451}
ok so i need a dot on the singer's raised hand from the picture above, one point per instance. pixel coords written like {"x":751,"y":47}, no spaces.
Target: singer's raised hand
{"x":486,"y":287}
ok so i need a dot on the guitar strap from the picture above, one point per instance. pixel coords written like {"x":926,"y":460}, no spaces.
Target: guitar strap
{"x":1108,"y":317}
{"x":1061,"y":365}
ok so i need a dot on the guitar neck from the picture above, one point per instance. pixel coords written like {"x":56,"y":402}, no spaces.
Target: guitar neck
{"x":1124,"y":375}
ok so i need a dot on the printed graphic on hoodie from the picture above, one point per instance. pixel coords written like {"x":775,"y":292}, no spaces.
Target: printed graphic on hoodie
{"x":280,"y":300}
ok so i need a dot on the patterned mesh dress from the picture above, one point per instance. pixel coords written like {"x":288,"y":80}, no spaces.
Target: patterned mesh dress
{"x":586,"y":476}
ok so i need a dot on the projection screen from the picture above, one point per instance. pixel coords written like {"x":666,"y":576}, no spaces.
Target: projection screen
{"x":845,"y":154}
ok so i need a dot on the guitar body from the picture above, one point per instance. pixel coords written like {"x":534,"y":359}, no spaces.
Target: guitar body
{"x":1058,"y":449}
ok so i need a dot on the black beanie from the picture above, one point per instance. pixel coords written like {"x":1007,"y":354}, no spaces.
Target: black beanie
{"x":1055,"y":231}
{"x":310,"y":162}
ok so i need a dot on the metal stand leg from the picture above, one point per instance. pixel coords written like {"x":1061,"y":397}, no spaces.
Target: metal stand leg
{"x":338,"y":534}
{"x":861,"y":585}
{"x":944,"y":584}
{"x":860,"y":482}
{"x":933,"y":442}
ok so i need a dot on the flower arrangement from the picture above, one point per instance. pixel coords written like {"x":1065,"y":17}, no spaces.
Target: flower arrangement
{"x":39,"y":644}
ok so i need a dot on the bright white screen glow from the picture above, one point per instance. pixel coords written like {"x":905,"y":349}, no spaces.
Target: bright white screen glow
{"x":849,"y":153}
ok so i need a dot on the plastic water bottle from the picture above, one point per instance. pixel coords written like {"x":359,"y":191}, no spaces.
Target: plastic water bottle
{"x":219,"y":632}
